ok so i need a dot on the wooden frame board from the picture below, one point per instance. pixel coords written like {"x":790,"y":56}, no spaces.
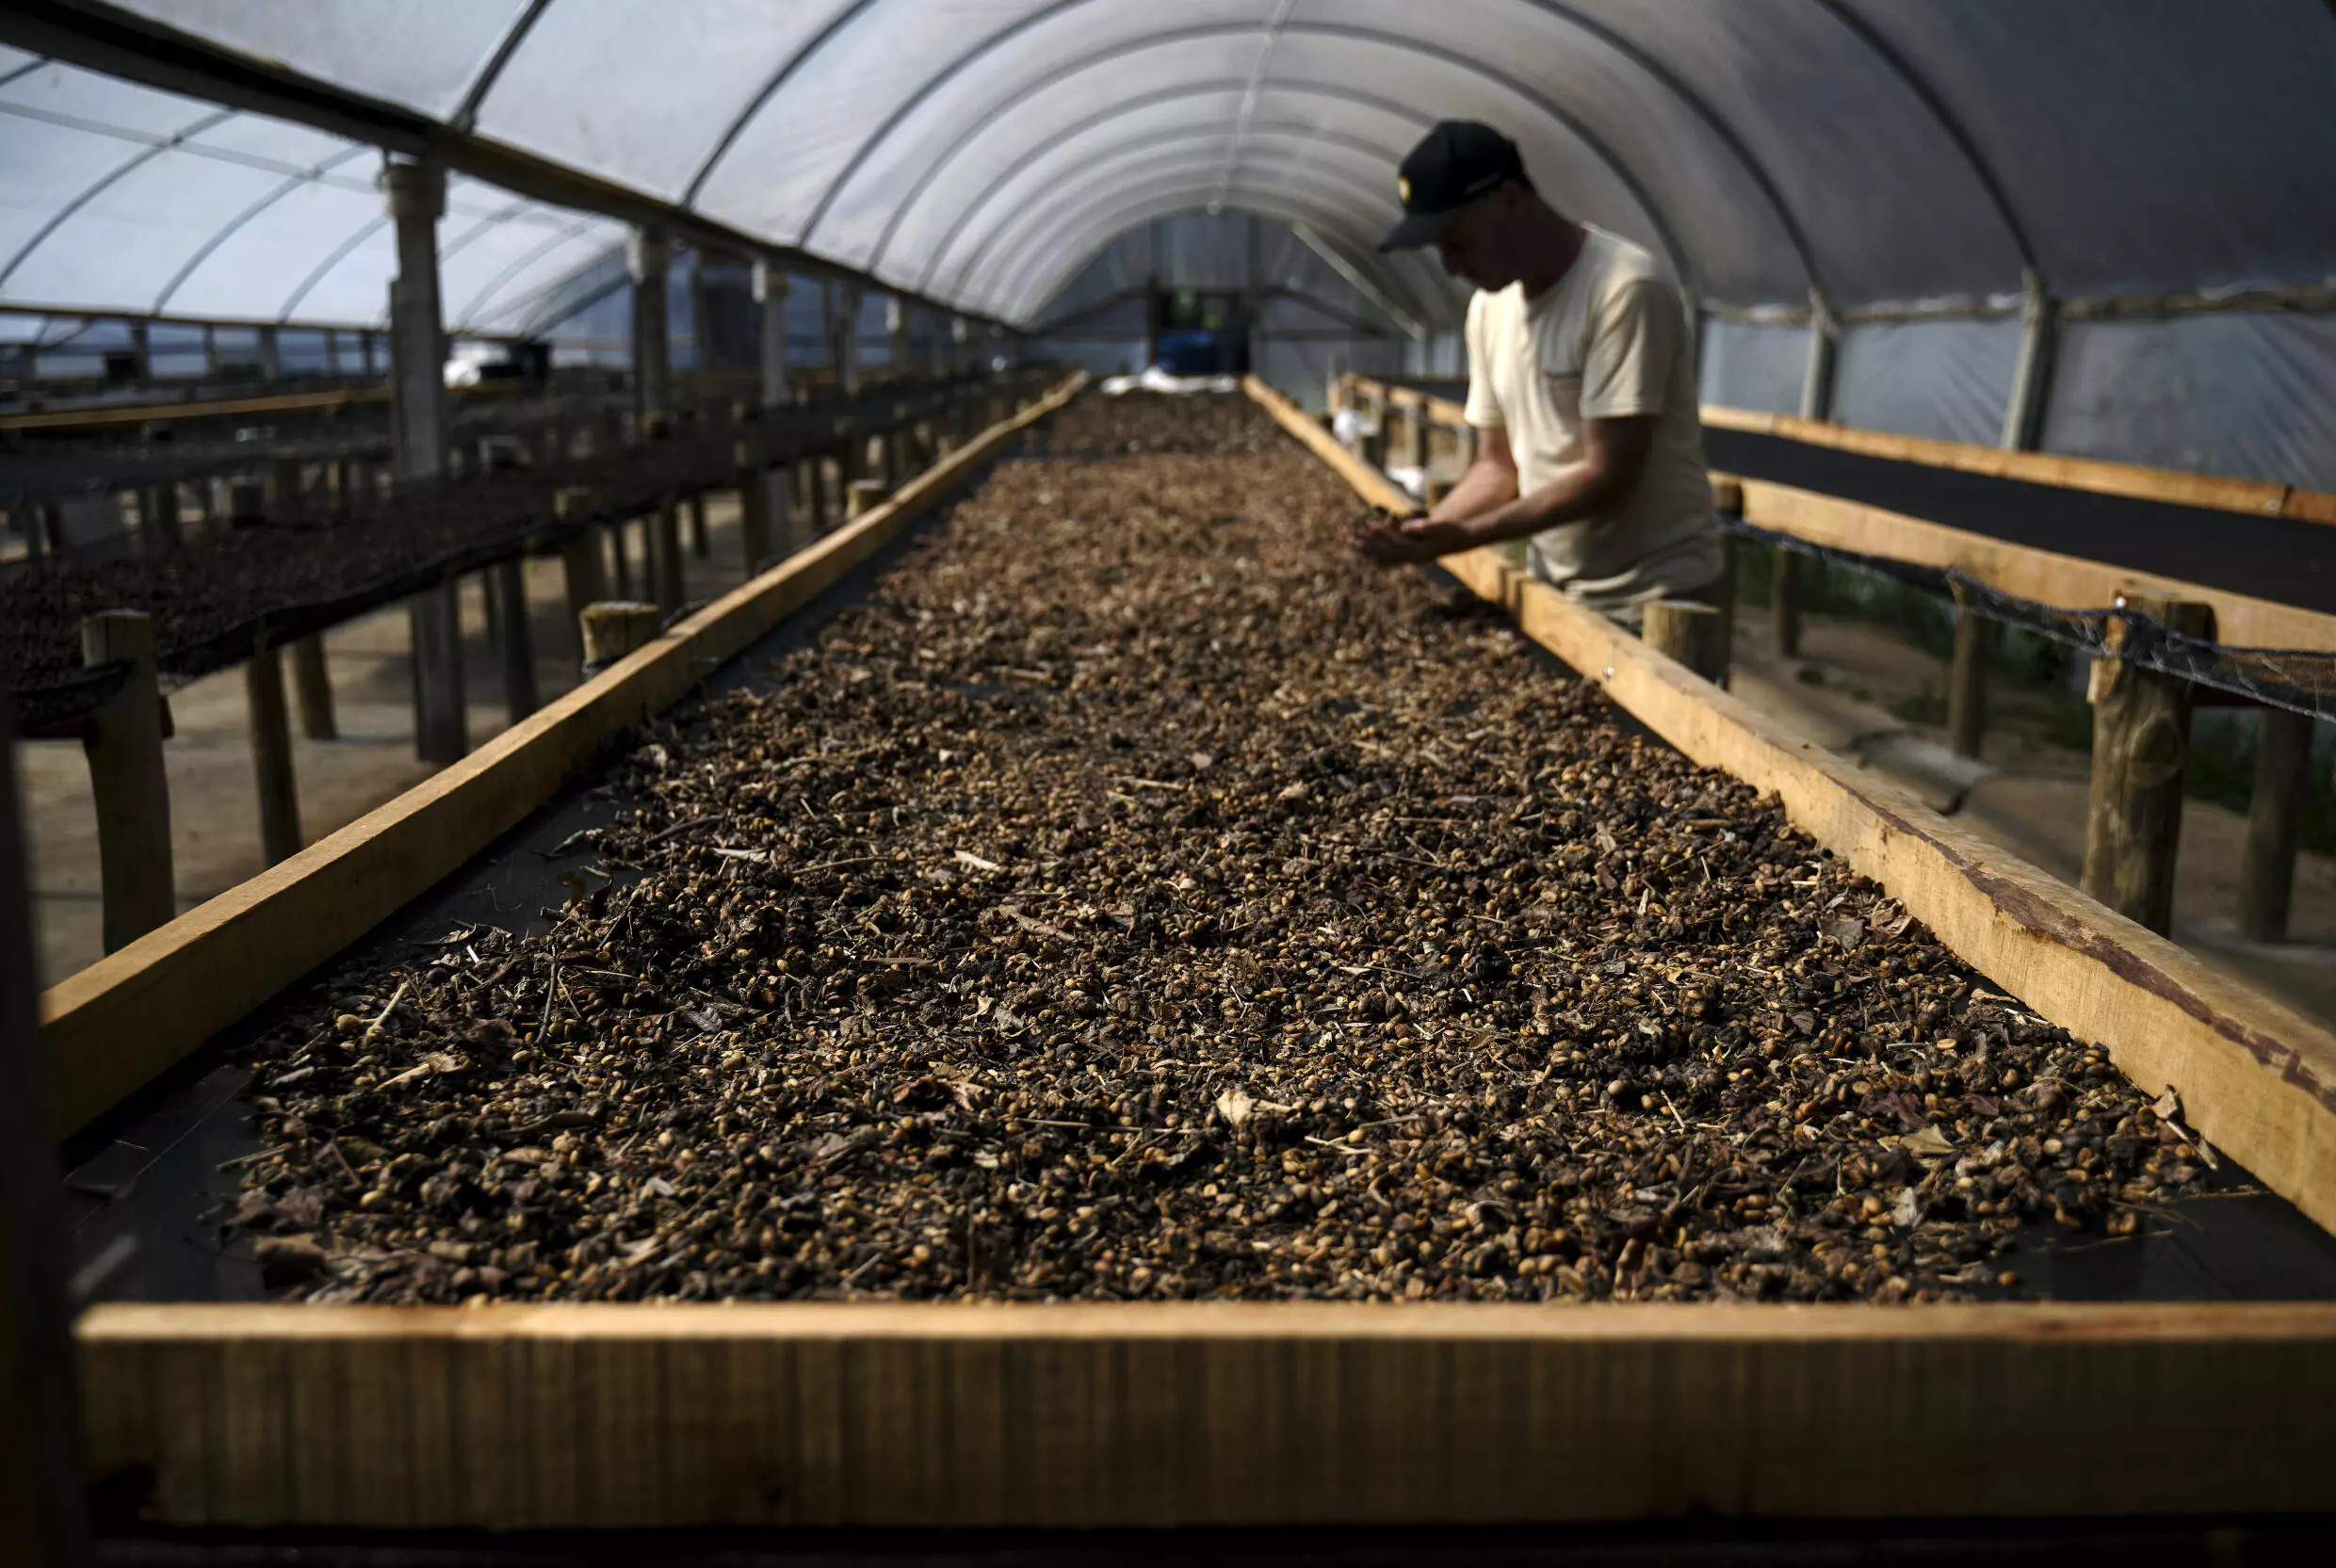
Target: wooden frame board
{"x":114,"y":1027}
{"x":2256,"y":1077}
{"x":519,"y":1417}
{"x":2043,"y":575}
{"x":801,"y":1415}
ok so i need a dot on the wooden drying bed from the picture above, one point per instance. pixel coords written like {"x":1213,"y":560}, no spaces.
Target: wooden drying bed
{"x":525,"y":1416}
{"x":112,"y":1027}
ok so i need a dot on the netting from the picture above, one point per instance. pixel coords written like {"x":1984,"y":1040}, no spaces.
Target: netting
{"x":2301,"y":680}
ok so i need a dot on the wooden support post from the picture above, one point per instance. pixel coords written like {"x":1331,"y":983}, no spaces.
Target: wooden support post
{"x":2273,"y":814}
{"x":616,"y":627}
{"x":579,"y":559}
{"x":1967,"y":682}
{"x":616,"y":562}
{"x":665,"y":581}
{"x":271,"y":756}
{"x":122,"y":740}
{"x":864,"y":494}
{"x":815,"y":513}
{"x":1727,"y":594}
{"x":1784,"y":604}
{"x":757,"y":492}
{"x":1690,"y":632}
{"x":158,"y":518}
{"x":699,"y":546}
{"x":43,"y":1485}
{"x":312,"y":683}
{"x":507,"y":590}
{"x":441,"y":721}
{"x":2141,"y":746}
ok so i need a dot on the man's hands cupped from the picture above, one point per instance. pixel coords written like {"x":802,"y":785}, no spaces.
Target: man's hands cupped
{"x":1402,"y":541}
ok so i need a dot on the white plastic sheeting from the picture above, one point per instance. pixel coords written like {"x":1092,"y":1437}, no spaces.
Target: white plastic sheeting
{"x":2249,"y":395}
{"x":119,"y":198}
{"x":1950,"y":381}
{"x":1872,"y":149}
{"x":1754,"y":364}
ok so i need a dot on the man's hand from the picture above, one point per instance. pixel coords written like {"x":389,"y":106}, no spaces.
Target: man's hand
{"x":1408,"y":541}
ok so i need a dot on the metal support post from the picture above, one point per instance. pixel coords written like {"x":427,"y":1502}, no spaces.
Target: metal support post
{"x":1817,"y":379}
{"x":417,"y":194}
{"x":2031,"y":373}
{"x":846,"y":326}
{"x":771,"y":294}
{"x":649,"y":258}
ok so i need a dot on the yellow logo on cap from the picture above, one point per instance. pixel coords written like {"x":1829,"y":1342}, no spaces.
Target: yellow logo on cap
{"x":1402,"y":189}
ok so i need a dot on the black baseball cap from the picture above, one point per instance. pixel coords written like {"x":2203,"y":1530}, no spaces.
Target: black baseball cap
{"x":1454,"y":163}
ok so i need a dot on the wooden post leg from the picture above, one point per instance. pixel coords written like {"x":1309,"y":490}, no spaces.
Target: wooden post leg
{"x":816,"y":512}
{"x":2141,"y":746}
{"x":781,"y":522}
{"x":1727,"y":594}
{"x":617,"y":627}
{"x":312,"y":682}
{"x":440,"y":732}
{"x":44,"y":1488}
{"x":271,"y":756}
{"x":1784,"y":604}
{"x":698,"y":545}
{"x":665,"y":556}
{"x":1967,"y":682}
{"x":2273,"y":814}
{"x":1690,"y":632}
{"x":507,"y":587}
{"x":123,"y":742}
{"x":866,"y":493}
{"x":158,"y":518}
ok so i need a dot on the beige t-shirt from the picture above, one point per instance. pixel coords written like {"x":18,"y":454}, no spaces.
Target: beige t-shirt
{"x":1606,"y":341}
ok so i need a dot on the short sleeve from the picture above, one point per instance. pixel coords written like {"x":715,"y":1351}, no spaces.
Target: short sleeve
{"x":1631,"y":347}
{"x":1484,"y":409}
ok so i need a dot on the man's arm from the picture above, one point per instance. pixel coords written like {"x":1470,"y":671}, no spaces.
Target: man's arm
{"x":1488,"y":511}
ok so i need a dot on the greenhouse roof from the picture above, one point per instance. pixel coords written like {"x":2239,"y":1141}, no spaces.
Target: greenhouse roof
{"x":976,"y":152}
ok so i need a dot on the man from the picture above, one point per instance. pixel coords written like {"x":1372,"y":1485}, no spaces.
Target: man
{"x":1582,"y":390}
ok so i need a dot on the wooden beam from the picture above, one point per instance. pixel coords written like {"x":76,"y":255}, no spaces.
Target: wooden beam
{"x":122,"y":740}
{"x":2042,"y":575}
{"x":2141,"y":746}
{"x":110,"y":1029}
{"x":1201,"y":1413}
{"x":2273,"y":816}
{"x":2132,"y":480}
{"x":2256,"y":1077}
{"x":1690,"y":634}
{"x":43,"y":1505}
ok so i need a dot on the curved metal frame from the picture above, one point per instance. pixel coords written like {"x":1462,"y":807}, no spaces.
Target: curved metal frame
{"x":966,"y":273}
{"x":1062,"y":201}
{"x":1921,"y":86}
{"x":1550,"y":107}
{"x":1322,"y":201}
{"x":779,"y":78}
{"x":466,"y":114}
{"x":1047,"y":144}
{"x":203,"y":252}
{"x":1149,"y":205}
{"x":512,"y":268}
{"x":340,"y":253}
{"x":96,"y":187}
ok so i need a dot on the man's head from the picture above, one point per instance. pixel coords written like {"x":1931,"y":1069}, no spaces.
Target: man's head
{"x":1465,"y":191}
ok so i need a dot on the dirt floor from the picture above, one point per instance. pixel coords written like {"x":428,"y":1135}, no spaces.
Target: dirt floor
{"x":215,"y":830}
{"x":2027,"y":792}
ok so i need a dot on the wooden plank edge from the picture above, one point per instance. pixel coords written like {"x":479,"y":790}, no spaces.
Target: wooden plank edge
{"x":2046,"y":577}
{"x":1201,"y":1413}
{"x":2133,"y":481}
{"x":2256,"y":1078}
{"x":113,"y":1026}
